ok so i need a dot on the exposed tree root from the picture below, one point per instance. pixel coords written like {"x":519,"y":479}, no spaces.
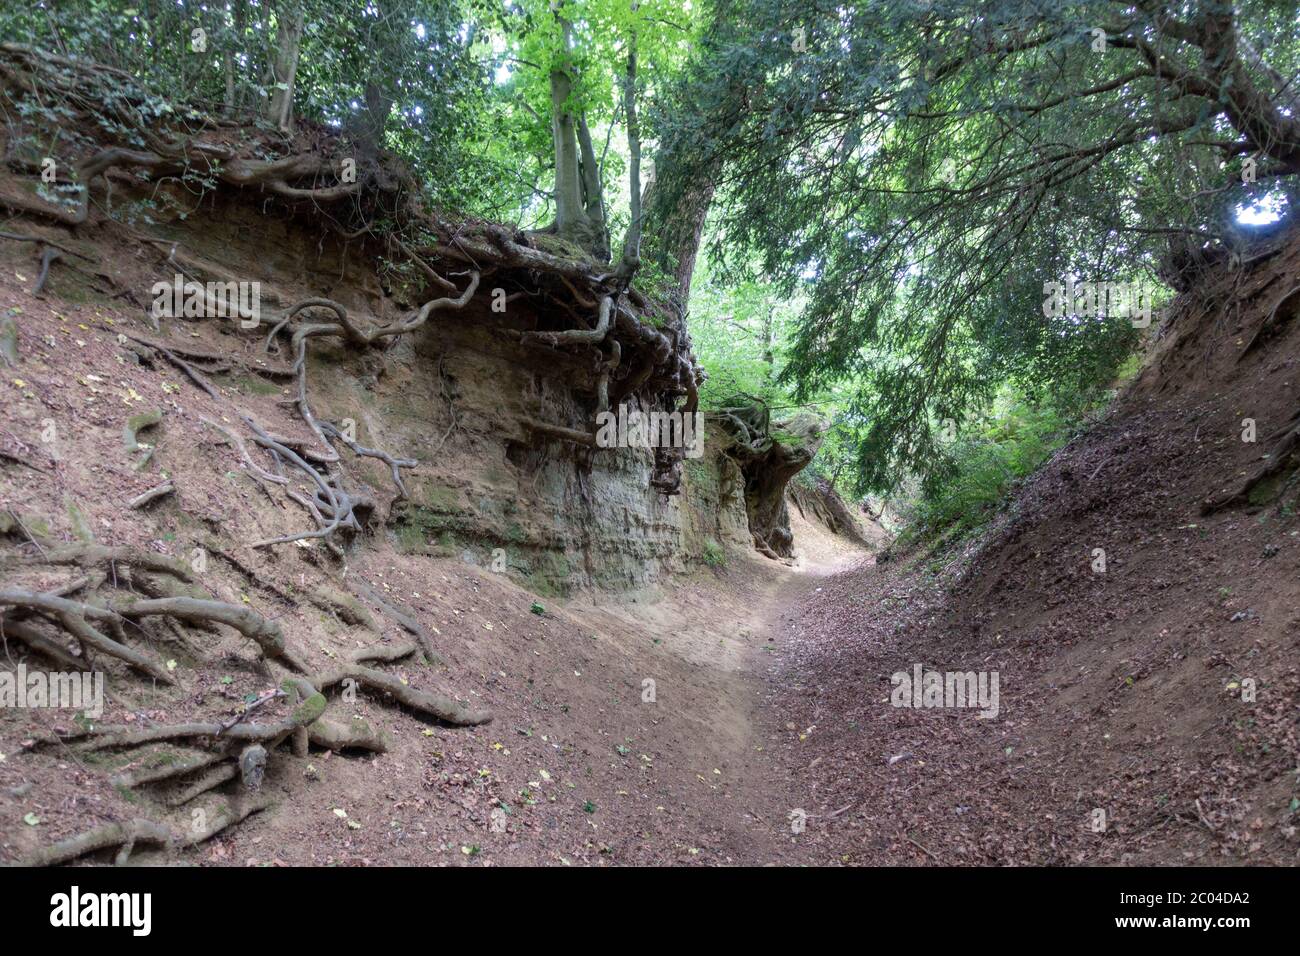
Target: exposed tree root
{"x":74,"y":615}
{"x":649,"y":360}
{"x":354,"y":734}
{"x":445,"y":708}
{"x":153,"y":494}
{"x":164,"y":765}
{"x":394,"y":464}
{"x":403,"y":616}
{"x":383,"y":652}
{"x":767,"y":466}
{"x":222,"y":813}
{"x":252,"y":766}
{"x":208,"y":781}
{"x":586,"y":439}
{"x":37,"y":641}
{"x":47,"y":259}
{"x":1269,"y":324}
{"x":106,"y":737}
{"x":257,"y":470}
{"x":99,"y":555}
{"x":9,"y":350}
{"x":102,"y":838}
{"x":1278,"y":457}
{"x":267,"y":634}
{"x":52,"y":649}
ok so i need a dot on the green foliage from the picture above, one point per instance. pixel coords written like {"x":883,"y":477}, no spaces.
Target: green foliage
{"x":983,"y":465}
{"x":739,"y":331}
{"x":913,"y":173}
{"x":892,"y":183}
{"x":402,"y":74}
{"x":530,"y":47}
{"x":713,"y":554}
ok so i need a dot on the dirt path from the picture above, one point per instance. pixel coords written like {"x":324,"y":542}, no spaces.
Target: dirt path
{"x":726,"y":637}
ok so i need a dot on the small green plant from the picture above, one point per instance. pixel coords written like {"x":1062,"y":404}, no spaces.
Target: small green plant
{"x":713,"y":554}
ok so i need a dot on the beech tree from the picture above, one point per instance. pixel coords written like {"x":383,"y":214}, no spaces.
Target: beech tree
{"x":593,"y":56}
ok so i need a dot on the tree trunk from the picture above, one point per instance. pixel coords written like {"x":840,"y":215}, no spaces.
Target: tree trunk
{"x":237,"y":24}
{"x":284,"y":65}
{"x":674,"y":223}
{"x":631,"y":259}
{"x":593,"y":194}
{"x":367,"y":129}
{"x":769,"y":345}
{"x":228,"y":67}
{"x":579,"y":203}
{"x":570,"y":217}
{"x":769,"y":455}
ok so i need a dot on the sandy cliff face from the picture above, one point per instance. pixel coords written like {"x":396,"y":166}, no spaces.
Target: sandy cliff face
{"x":557,"y":516}
{"x":564,"y":517}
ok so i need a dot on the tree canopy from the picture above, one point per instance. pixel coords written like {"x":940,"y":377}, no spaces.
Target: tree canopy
{"x":886,"y":189}
{"x":920,"y":170}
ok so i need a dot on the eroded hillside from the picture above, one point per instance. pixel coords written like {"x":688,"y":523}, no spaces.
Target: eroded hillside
{"x":1138,"y":601}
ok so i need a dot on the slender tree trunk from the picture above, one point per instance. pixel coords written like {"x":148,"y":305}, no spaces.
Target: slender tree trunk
{"x":579,"y":204}
{"x":631,"y":259}
{"x":568,"y":186}
{"x":284,"y":64}
{"x":769,"y":345}
{"x":379,"y":104}
{"x":228,"y":66}
{"x":593,"y":193}
{"x":238,"y":19}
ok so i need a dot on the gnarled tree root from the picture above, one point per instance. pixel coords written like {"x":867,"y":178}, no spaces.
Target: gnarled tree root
{"x":222,"y":813}
{"x":383,"y":652}
{"x":157,"y":766}
{"x":74,"y":616}
{"x":403,"y":616}
{"x":445,"y":708}
{"x":267,"y":634}
{"x":353,"y":734}
{"x":213,"y":778}
{"x":101,"y":838}
{"x":102,"y":737}
{"x":97,"y":555}
{"x":204,"y":823}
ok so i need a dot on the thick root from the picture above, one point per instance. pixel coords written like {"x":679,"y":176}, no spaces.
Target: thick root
{"x":1278,"y":457}
{"x":74,"y":615}
{"x":403,"y":616}
{"x":216,"y":815}
{"x":101,"y":838}
{"x":164,"y":765}
{"x":210,"y":780}
{"x":97,"y":555}
{"x":356,"y":734}
{"x":383,"y":652}
{"x":446,"y":709}
{"x":267,"y":634}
